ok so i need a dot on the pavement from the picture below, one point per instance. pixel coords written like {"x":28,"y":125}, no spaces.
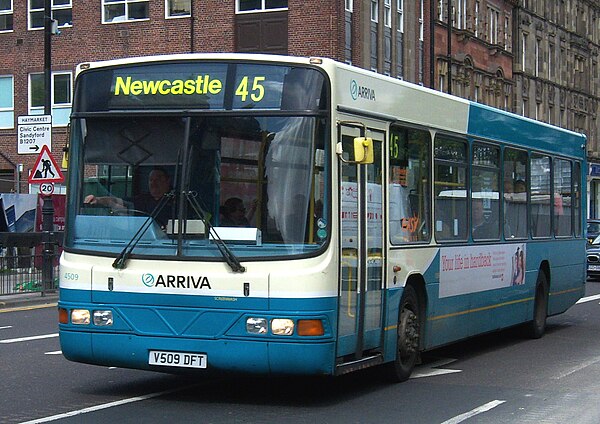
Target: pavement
{"x":24,"y":300}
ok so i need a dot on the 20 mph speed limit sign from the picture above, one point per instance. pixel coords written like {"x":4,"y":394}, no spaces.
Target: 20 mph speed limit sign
{"x":46,"y":189}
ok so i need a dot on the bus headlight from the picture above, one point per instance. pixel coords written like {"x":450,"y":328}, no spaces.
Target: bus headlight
{"x":256,"y":325}
{"x":282,"y":326}
{"x":103,"y":318}
{"x":80,"y":316}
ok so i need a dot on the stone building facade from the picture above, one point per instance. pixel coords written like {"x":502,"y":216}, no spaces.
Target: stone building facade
{"x":556,"y":72}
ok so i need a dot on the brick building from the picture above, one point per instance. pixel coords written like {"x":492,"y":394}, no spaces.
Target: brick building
{"x":514,"y":54}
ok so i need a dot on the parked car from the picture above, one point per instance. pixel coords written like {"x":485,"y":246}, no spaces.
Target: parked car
{"x":593,"y":229}
{"x":593,"y":259}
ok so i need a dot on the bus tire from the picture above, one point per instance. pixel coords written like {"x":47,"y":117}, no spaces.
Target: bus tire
{"x":537,"y":326}
{"x":408,"y":337}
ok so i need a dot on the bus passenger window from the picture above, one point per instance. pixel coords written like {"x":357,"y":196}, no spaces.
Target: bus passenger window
{"x":450,"y":185}
{"x":515,"y":194}
{"x":540,"y":195}
{"x":562,"y":198}
{"x":409,"y":185}
{"x":485,"y":202}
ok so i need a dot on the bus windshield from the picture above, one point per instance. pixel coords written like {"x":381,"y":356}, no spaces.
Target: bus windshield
{"x":171,"y":184}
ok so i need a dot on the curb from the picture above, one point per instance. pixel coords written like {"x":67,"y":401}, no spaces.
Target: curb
{"x":28,"y":299}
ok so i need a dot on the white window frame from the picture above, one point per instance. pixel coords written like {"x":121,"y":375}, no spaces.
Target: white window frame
{"x":387,"y":13}
{"x":400,"y":15}
{"x":55,"y":107}
{"x":348,"y":5}
{"x":10,"y":110}
{"x":374,"y":11}
{"x":506,"y":31}
{"x":493,"y":17}
{"x":30,"y":10}
{"x":538,"y":59}
{"x":421,"y":21}
{"x":262,"y":9}
{"x":524,"y":51}
{"x":126,"y":3}
{"x":8,"y":11}
{"x":476,"y":24}
{"x":183,"y":15}
{"x":461,"y":20}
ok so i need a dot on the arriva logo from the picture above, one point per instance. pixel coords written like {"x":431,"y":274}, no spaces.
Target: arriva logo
{"x":148,"y":280}
{"x":176,"y":281}
{"x":357,"y":91}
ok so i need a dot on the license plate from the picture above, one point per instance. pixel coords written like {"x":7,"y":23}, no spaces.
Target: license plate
{"x":594,"y":268}
{"x":177,"y":359}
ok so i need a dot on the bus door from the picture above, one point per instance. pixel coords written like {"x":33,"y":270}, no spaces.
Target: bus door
{"x":361,"y":248}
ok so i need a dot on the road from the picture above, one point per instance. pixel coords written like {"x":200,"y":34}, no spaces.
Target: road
{"x":497,"y":378}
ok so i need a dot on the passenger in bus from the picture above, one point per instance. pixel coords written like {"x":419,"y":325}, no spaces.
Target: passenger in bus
{"x":159,"y":184}
{"x":235,"y":214}
{"x":483,"y":227}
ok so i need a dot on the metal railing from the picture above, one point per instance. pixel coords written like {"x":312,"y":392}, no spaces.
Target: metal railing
{"x":29,"y":262}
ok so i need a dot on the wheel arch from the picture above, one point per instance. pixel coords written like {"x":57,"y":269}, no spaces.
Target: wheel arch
{"x":418,"y":283}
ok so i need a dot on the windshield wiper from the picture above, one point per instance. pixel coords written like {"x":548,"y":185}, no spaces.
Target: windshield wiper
{"x":119,"y":262}
{"x":226,"y":253}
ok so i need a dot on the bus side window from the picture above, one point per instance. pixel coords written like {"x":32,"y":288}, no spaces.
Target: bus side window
{"x":450,"y":185}
{"x":515,"y":194}
{"x":409,"y":185}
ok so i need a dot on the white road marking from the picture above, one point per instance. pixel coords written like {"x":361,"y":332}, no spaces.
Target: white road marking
{"x":578,"y":368}
{"x":589,"y":298}
{"x":432,"y":369}
{"x":56,"y":352}
{"x":26,"y":339}
{"x":481,"y":409}
{"x":104,"y":406}
{"x":6,"y":327}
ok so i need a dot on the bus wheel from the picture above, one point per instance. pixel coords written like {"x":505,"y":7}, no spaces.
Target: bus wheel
{"x":537,"y":326}
{"x":409,"y":327}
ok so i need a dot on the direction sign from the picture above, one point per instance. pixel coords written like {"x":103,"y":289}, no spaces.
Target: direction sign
{"x":45,"y":169}
{"x":34,"y":132}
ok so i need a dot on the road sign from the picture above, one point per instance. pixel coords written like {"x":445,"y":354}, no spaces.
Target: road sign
{"x":45,"y":169}
{"x":46,"y":189}
{"x":34,"y":132}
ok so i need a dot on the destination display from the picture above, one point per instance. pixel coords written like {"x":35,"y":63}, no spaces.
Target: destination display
{"x":200,"y":85}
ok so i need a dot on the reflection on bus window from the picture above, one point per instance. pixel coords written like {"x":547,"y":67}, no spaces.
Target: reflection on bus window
{"x":540,"y":195}
{"x":484,"y":199}
{"x":515,"y":194}
{"x":450,"y":185}
{"x":409,"y":185}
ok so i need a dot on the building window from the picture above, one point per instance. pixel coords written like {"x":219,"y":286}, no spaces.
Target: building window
{"x":506,"y":33}
{"x":551,"y":52}
{"x":476,"y":24}
{"x":7,"y":105}
{"x":493,"y":17}
{"x":461,"y":21}
{"x":538,"y":58}
{"x":124,"y":10}
{"x":421,"y":20}
{"x":523,"y":51}
{"x":61,"y":11}
{"x":6,"y":15}
{"x":178,"y":8}
{"x":374,"y":11}
{"x":387,"y":13}
{"x":242,"y":6}
{"x":400,"y":14}
{"x":61,"y":96}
